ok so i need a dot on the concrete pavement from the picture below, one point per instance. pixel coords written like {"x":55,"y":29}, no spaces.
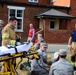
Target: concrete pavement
{"x":55,"y":47}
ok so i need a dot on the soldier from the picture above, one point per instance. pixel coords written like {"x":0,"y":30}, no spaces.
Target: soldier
{"x":73,"y":47}
{"x":8,"y":34}
{"x":61,"y":67}
{"x":37,"y":45}
{"x":1,"y":27}
{"x":38,"y":41}
{"x":38,"y":67}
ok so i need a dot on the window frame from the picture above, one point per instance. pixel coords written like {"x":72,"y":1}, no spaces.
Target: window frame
{"x":17,"y":8}
{"x":33,"y":1}
{"x":53,"y":1}
{"x":51,"y":24}
{"x":56,"y":24}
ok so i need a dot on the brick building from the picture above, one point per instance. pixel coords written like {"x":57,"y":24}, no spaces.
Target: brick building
{"x":56,"y":20}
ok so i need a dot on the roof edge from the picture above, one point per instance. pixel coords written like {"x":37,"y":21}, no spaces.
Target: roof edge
{"x":60,"y":17}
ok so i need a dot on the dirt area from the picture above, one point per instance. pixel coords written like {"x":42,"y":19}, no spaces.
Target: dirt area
{"x":22,"y":72}
{"x":25,"y":72}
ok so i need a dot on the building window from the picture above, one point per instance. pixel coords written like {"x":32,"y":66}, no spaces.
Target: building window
{"x":18,"y":12}
{"x":33,"y":0}
{"x":54,"y":24}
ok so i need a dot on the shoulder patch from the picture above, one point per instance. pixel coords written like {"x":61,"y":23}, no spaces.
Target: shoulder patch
{"x":5,"y":30}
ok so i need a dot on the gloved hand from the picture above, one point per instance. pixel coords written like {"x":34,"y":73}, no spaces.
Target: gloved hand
{"x":69,"y":46}
{"x":18,"y":43}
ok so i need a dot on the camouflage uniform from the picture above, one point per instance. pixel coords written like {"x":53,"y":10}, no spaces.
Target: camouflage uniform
{"x":61,"y":67}
{"x":1,"y":27}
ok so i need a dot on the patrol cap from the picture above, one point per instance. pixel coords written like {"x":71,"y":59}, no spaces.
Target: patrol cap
{"x":56,"y":54}
{"x":62,"y":52}
{"x":1,"y":22}
{"x":44,"y":45}
{"x":39,"y":35}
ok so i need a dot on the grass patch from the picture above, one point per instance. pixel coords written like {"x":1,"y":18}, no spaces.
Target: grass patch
{"x":49,"y":57}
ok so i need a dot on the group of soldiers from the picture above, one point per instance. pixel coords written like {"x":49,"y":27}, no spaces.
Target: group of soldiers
{"x":38,"y":66}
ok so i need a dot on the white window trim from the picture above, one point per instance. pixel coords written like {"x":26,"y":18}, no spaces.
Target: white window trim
{"x":33,"y":1}
{"x":53,"y":0}
{"x":56,"y":24}
{"x":17,"y":8}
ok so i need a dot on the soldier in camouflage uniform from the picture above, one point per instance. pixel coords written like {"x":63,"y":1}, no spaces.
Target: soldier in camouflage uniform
{"x":1,"y":27}
{"x":38,"y":66}
{"x":61,"y":67}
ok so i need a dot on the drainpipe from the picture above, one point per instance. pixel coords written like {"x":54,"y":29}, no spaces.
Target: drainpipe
{"x":68,"y":10}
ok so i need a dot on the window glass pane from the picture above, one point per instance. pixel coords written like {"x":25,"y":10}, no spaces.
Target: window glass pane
{"x":19,"y":24}
{"x":31,"y":0}
{"x":19,"y":13}
{"x":52,"y":23}
{"x":12,"y":12}
{"x":35,"y":0}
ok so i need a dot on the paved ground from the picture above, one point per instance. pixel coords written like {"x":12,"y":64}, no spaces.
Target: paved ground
{"x":55,"y":47}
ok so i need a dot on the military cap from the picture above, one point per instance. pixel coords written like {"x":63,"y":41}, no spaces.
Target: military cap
{"x":62,"y":52}
{"x":44,"y":45}
{"x":39,"y":35}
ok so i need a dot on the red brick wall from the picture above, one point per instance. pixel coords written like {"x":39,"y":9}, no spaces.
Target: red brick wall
{"x":44,"y":2}
{"x":73,"y":12}
{"x":21,"y":0}
{"x":73,"y":7}
{"x":3,"y":13}
{"x":56,"y":36}
{"x":39,"y":1}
